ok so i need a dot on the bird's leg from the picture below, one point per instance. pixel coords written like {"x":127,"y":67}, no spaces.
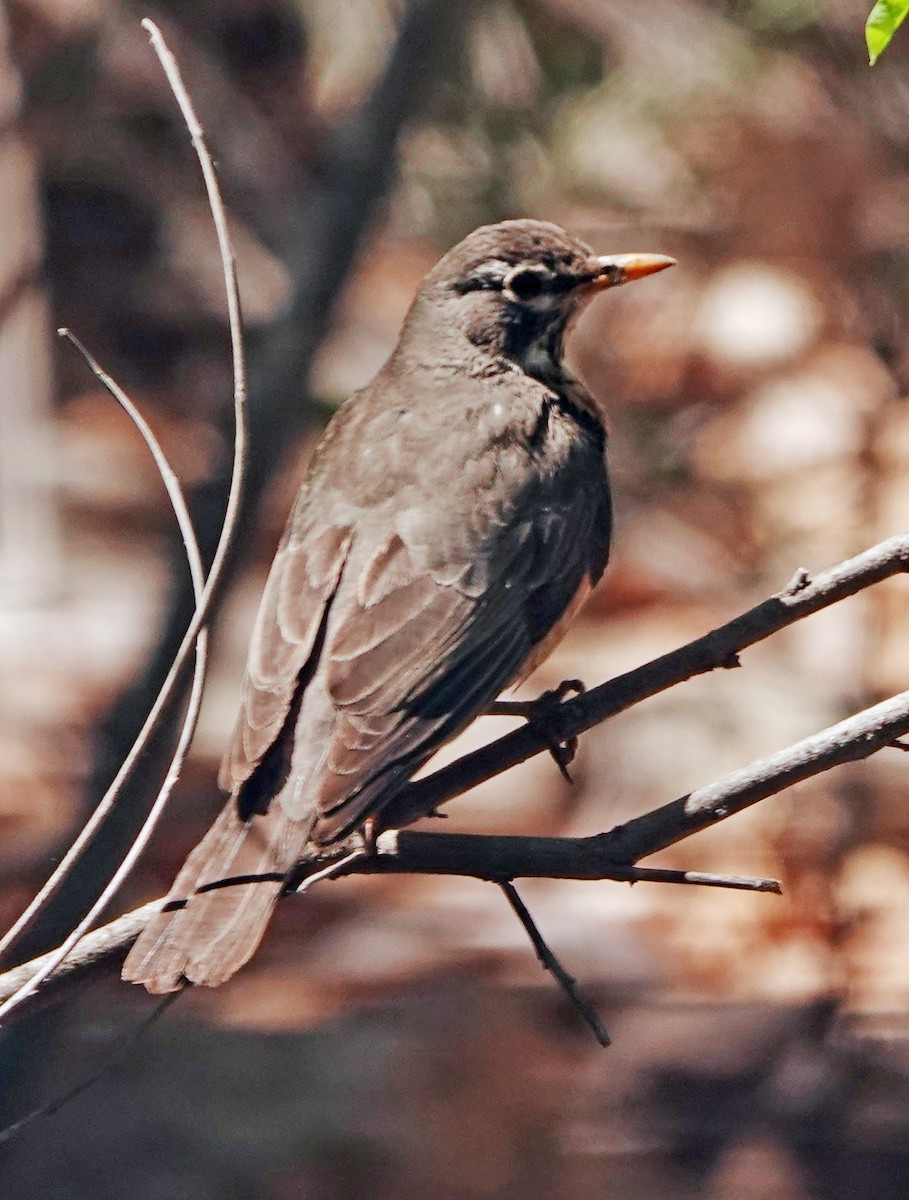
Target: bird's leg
{"x":371,"y":830}
{"x":358,"y":846}
{"x":543,"y":715}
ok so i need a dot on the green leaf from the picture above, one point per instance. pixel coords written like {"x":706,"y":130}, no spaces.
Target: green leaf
{"x":883,"y":22}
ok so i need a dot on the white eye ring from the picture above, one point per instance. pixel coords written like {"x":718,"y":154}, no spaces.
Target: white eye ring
{"x":525,"y":283}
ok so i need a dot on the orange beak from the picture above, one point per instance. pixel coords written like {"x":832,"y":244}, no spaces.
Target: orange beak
{"x":624,"y":268}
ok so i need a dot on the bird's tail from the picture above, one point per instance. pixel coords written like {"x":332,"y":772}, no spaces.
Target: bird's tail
{"x":218,"y":930}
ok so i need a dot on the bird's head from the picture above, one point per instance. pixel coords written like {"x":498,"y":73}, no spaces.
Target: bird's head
{"x":513,"y":288}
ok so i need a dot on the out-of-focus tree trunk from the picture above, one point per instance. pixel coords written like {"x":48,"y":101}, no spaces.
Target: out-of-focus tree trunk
{"x":29,"y":543}
{"x":30,"y":562}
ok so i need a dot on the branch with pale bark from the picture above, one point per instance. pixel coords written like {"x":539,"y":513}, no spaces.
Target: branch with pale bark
{"x":612,"y":855}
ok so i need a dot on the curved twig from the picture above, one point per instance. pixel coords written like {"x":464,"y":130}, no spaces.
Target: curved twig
{"x":197,"y":623}
{"x":187,"y":730}
{"x":184,"y":521}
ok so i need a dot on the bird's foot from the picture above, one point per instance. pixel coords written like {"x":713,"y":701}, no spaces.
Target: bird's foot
{"x":370,"y":831}
{"x":343,"y":855}
{"x":543,"y":715}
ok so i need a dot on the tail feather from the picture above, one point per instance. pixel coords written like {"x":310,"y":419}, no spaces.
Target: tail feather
{"x":209,"y":939}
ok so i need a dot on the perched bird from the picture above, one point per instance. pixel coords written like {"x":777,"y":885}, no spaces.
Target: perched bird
{"x":454,"y":517}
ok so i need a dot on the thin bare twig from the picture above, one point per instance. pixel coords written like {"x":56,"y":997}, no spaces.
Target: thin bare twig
{"x":184,"y":521}
{"x":187,"y":730}
{"x":228,"y":261}
{"x":735,"y":883}
{"x":196,"y":626}
{"x":122,"y":1045}
{"x":550,"y":963}
{"x":334,"y":870}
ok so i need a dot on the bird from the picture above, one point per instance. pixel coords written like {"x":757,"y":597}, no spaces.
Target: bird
{"x":455,"y":515}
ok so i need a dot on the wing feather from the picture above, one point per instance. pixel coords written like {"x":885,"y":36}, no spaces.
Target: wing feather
{"x":419,"y":616}
{"x":445,"y":653}
{"x":300,"y":586}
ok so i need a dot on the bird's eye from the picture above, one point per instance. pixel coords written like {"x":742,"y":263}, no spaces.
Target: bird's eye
{"x":525,"y":283}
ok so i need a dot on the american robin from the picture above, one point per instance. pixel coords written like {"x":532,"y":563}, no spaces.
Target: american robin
{"x":454,"y":517}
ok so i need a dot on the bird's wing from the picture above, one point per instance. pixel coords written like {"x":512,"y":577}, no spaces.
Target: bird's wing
{"x":297,"y":596}
{"x":387,"y":628}
{"x":416,"y":655}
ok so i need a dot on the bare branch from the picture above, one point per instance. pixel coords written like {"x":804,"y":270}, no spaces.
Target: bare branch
{"x":497,"y":859}
{"x":121,"y":1047}
{"x":855,"y":738}
{"x":204,"y":599}
{"x":73,"y":854}
{"x":719,"y":648}
{"x":611,"y":855}
{"x":550,"y":963}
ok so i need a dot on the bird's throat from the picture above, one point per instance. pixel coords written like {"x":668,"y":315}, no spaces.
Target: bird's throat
{"x":543,"y":360}
{"x":539,"y":353}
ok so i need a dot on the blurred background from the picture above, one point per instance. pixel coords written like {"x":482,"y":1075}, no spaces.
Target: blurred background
{"x":396,"y":1038}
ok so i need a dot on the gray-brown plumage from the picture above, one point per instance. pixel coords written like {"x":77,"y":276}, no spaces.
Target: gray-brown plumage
{"x":454,"y":515}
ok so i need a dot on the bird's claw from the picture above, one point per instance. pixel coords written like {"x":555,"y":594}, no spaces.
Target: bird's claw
{"x":543,"y":715}
{"x":370,"y":831}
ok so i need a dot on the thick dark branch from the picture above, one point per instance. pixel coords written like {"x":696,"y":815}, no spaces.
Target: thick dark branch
{"x":501,"y":857}
{"x":497,"y":859}
{"x":719,"y":648}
